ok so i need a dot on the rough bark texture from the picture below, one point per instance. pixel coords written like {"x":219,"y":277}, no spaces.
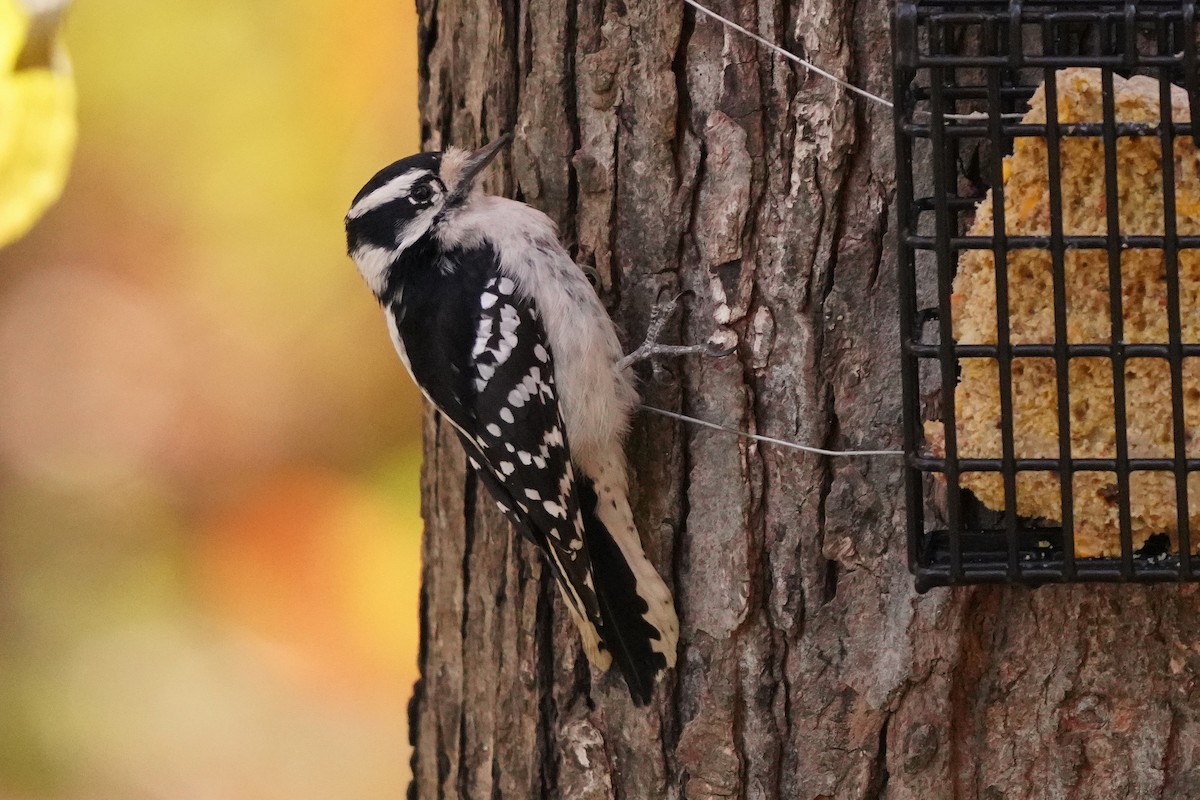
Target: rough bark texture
{"x":675,"y":156}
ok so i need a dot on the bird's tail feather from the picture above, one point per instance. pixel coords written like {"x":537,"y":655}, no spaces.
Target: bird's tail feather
{"x":639,"y":626}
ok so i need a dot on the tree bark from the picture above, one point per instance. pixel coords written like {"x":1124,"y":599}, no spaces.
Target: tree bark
{"x":675,"y":156}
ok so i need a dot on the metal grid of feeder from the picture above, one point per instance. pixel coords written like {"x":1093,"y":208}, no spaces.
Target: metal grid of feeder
{"x":965,"y":74}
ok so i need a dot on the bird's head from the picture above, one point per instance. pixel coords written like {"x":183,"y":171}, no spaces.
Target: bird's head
{"x":406,"y":201}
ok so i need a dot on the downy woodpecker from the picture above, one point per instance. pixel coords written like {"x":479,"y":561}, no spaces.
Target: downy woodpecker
{"x":504,"y":335}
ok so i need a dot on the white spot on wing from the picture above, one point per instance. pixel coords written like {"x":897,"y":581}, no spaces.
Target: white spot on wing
{"x":509,"y":320}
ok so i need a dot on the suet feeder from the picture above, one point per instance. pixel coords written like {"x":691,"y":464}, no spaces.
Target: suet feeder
{"x":1049,"y":271}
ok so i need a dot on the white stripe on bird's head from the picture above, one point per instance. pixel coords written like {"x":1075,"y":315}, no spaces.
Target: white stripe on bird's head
{"x":396,"y":188}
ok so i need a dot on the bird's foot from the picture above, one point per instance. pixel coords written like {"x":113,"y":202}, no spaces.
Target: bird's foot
{"x":718,"y":344}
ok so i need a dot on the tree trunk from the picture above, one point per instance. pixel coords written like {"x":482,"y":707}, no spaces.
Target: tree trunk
{"x":675,"y":156}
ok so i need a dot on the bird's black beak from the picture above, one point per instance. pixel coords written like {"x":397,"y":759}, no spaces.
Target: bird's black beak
{"x":475,"y":164}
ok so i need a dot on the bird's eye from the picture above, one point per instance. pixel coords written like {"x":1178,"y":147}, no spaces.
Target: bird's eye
{"x":422,"y":193}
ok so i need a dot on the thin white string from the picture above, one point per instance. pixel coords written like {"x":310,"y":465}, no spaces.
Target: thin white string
{"x":883,"y":101}
{"x":768,"y":439}
{"x":790,"y":55}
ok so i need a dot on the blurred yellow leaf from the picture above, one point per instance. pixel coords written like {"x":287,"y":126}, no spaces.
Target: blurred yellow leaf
{"x":37,"y":114}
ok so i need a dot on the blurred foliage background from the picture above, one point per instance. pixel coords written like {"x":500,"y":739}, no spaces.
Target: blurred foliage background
{"x":209,"y":521}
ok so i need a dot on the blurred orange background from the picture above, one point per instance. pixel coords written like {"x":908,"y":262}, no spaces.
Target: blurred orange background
{"x":209,"y":510}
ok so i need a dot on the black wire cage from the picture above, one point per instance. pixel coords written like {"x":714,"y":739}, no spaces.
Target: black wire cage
{"x":1050,"y":289}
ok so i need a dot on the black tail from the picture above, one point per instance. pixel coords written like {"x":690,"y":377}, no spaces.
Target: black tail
{"x":626,"y":632}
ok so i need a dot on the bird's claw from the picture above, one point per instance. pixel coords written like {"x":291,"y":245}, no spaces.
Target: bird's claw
{"x":717,"y":346}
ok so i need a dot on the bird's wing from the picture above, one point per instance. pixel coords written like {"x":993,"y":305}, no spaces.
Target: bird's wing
{"x":479,"y":353}
{"x":520,"y":436}
{"x":527,"y":465}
